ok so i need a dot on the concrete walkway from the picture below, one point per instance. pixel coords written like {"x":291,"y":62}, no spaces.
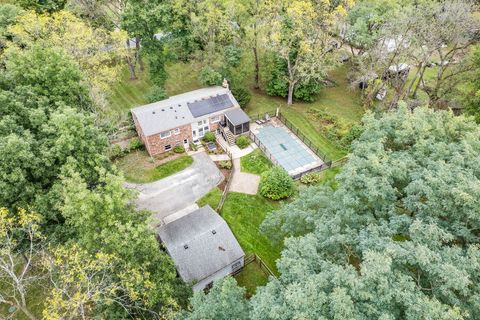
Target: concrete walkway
{"x":219,"y":157}
{"x":243,"y":182}
{"x":179,"y":191}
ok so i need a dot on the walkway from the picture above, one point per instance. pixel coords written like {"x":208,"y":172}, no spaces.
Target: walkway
{"x":243,"y":182}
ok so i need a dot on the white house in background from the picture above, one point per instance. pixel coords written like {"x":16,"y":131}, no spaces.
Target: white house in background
{"x":202,"y":247}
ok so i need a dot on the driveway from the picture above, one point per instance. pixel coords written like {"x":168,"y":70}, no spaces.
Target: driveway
{"x":179,"y":191}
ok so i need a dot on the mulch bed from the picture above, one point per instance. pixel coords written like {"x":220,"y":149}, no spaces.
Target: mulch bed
{"x":226,"y":174}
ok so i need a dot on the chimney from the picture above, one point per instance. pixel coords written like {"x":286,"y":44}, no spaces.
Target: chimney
{"x":225,"y":83}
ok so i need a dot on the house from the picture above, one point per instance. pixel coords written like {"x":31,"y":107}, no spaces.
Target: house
{"x":202,"y":247}
{"x":185,"y":118}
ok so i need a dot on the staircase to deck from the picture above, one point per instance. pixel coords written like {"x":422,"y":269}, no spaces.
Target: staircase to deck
{"x":229,"y":136}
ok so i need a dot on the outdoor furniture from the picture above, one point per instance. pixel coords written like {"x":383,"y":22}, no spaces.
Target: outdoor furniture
{"x":258,"y":122}
{"x":267,"y":117}
{"x":212,"y":146}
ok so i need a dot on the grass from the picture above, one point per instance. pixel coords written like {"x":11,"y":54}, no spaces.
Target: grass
{"x":244,"y":214}
{"x":212,"y":198}
{"x":339,"y":100}
{"x":137,"y":167}
{"x":255,"y":162}
{"x":251,"y":277}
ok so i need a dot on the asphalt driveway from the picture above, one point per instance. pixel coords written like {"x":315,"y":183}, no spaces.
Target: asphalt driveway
{"x":179,"y":191}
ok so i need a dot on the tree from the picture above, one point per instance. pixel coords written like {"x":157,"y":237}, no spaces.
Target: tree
{"x":95,"y":217}
{"x":276,"y":184}
{"x":397,"y":239}
{"x":43,"y":6}
{"x":96,"y":51}
{"x":225,"y":301}
{"x":473,"y":99}
{"x":299,"y":34}
{"x":21,"y":244}
{"x":40,"y":134}
{"x":86,"y":285}
{"x":364,"y":22}
{"x":143,"y":19}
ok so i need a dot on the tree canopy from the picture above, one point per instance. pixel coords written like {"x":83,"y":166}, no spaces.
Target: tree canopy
{"x":398,"y":238}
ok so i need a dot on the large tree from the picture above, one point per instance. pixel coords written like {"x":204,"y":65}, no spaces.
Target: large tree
{"x":300,"y":36}
{"x":397,"y":239}
{"x":97,"y":51}
{"x":44,"y":128}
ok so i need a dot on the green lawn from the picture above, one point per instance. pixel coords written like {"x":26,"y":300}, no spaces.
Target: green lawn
{"x":212,"y":198}
{"x":137,"y":167}
{"x":244,"y":214}
{"x":251,"y":277}
{"x":255,"y":162}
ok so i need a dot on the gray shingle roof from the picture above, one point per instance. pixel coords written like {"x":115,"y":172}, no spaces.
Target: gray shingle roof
{"x":175,"y":111}
{"x":237,"y":116}
{"x":200,"y":244}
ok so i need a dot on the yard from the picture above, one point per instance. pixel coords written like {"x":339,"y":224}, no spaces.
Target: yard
{"x":244,"y":214}
{"x":255,"y":162}
{"x":339,"y":100}
{"x":251,"y":277}
{"x":139,"y":167}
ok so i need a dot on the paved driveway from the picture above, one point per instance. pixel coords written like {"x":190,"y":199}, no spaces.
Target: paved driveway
{"x":177,"y":192}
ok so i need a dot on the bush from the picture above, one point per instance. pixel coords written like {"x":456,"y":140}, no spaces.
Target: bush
{"x":156,"y":94}
{"x":209,"y":137}
{"x":311,"y":178}
{"x":115,"y":152}
{"x":242,"y":96}
{"x":210,"y":77}
{"x":226,"y":164}
{"x":232,"y":56}
{"x":193,"y":147}
{"x":179,"y":149}
{"x":242,"y":142}
{"x":276,"y":184}
{"x":135,"y":144}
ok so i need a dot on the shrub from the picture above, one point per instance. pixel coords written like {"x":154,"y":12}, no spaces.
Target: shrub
{"x":115,"y":152}
{"x":276,"y":184}
{"x":210,"y":77}
{"x":156,"y":94}
{"x":193,"y":147}
{"x":311,"y":178}
{"x":209,"y":137}
{"x":179,"y":149}
{"x":232,"y":56}
{"x":242,"y":96}
{"x":242,"y":142}
{"x":226,"y":164}
{"x":135,"y":144}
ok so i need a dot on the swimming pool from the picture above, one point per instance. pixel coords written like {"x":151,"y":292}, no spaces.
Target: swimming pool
{"x":290,"y":153}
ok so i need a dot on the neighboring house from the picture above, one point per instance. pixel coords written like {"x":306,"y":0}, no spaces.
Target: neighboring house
{"x":202,"y":247}
{"x":186,"y":117}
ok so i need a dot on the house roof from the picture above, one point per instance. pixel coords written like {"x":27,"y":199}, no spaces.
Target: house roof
{"x":237,"y":116}
{"x":209,"y":105}
{"x":182,"y":109}
{"x":200,"y":244}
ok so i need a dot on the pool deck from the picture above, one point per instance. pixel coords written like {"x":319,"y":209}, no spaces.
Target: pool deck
{"x":316,"y":161}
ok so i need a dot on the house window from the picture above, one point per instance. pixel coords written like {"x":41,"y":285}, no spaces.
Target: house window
{"x":168,"y":147}
{"x":185,"y":141}
{"x":236,"y":266}
{"x":165,"y":134}
{"x":200,"y":123}
{"x":215,"y":119}
{"x":200,"y":132}
{"x":177,"y":131}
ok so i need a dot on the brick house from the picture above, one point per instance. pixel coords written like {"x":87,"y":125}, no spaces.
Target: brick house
{"x":185,"y":118}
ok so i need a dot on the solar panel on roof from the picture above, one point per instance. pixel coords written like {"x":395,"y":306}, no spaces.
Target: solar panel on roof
{"x":210,"y":105}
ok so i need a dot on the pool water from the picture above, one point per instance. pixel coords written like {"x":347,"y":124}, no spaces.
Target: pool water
{"x":289,"y":153}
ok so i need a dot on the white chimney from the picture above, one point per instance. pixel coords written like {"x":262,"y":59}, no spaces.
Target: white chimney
{"x":225,"y":83}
